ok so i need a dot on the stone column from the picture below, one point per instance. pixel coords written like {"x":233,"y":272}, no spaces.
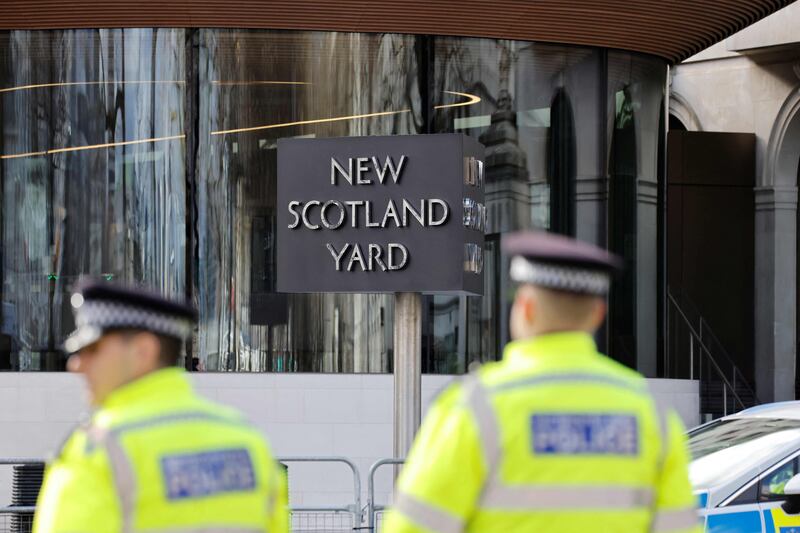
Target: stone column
{"x":775,"y":292}
{"x":407,"y":369}
{"x":646,"y":280}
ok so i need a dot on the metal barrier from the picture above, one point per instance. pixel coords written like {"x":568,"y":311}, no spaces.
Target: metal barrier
{"x":323,"y":518}
{"x":17,"y":518}
{"x":374,"y":509}
{"x":304,"y":518}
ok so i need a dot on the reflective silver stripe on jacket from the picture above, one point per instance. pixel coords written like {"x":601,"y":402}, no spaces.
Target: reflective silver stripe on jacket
{"x":567,"y":377}
{"x":478,"y":400}
{"x":676,"y":520}
{"x":554,"y":497}
{"x":215,"y":529}
{"x":186,"y":416}
{"x":427,"y":515}
{"x":662,"y":418}
{"x":274,"y":487}
{"x":122,"y":469}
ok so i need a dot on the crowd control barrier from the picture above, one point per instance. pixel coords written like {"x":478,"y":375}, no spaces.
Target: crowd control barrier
{"x":26,"y":478}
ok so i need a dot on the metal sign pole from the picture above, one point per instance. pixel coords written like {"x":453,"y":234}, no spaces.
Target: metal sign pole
{"x":407,"y":369}
{"x":378,"y":215}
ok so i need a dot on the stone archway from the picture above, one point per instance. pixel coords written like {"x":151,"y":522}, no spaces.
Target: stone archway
{"x":776,"y":257}
{"x":680,"y":108}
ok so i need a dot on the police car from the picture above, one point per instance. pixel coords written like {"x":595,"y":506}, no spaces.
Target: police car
{"x":745,"y":470}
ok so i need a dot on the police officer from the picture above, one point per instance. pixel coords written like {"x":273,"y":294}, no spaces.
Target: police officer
{"x":154,"y":456}
{"x":556,"y":436}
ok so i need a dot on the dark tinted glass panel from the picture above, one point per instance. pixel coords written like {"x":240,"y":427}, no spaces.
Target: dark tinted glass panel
{"x":257,"y":87}
{"x":92,"y":176}
{"x":635,"y":95}
{"x":108,"y":135}
{"x":538,"y":110}
{"x":748,"y":496}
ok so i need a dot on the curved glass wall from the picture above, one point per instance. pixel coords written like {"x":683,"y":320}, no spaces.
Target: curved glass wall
{"x":150,"y":156}
{"x":254,"y":88}
{"x":92,"y":175}
{"x":540,"y":117}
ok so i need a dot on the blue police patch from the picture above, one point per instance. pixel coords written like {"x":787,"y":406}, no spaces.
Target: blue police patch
{"x":585,"y":434}
{"x":207,"y":473}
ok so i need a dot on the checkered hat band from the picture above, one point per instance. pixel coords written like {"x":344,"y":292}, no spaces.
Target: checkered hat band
{"x":108,"y":315}
{"x":558,"y":277}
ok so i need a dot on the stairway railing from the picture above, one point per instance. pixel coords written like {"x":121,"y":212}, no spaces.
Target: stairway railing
{"x":704,"y":347}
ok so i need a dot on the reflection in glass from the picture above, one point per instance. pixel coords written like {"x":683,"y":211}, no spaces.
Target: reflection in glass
{"x":544,"y":170}
{"x":92,"y":175}
{"x":726,"y":449}
{"x":636,"y":89}
{"x":561,"y":164}
{"x":93,"y":180}
{"x":257,"y":87}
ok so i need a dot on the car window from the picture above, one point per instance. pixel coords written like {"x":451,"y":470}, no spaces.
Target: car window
{"x":773,"y":483}
{"x":724,"y":450}
{"x":723,"y":434}
{"x":748,"y":496}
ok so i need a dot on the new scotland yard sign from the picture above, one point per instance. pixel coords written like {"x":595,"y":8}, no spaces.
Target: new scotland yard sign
{"x":381,"y":214}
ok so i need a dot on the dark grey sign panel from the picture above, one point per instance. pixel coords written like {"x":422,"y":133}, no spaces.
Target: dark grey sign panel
{"x":381,"y":214}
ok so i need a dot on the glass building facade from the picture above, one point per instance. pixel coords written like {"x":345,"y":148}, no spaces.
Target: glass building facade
{"x":149,"y":156}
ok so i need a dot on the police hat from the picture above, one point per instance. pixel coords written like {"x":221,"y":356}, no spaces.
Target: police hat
{"x":560,"y":263}
{"x":100,"y":307}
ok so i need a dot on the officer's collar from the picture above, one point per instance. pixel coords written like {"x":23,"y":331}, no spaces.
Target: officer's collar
{"x":566,"y":343}
{"x":172,"y":381}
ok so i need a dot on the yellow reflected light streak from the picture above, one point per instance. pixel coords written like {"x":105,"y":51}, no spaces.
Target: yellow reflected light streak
{"x":256,"y":82}
{"x":77,"y":83}
{"x":135,"y":82}
{"x":120,"y":143}
{"x":314,"y":121}
{"x":472,"y":99}
{"x":26,"y":154}
{"x":94,"y":146}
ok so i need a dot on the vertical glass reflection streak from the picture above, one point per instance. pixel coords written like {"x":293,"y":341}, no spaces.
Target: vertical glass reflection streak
{"x":353,"y":84}
{"x":115,"y":208}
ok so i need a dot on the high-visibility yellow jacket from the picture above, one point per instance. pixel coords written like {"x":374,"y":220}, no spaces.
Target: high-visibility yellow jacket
{"x":556,"y":437}
{"x":156,"y":457}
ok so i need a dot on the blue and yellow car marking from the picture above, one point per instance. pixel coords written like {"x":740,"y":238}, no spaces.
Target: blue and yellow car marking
{"x":702,"y":500}
{"x":738,"y":522}
{"x":769,"y":525}
{"x":777,"y":521}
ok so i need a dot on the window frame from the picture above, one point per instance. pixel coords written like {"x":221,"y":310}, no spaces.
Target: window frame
{"x":762,"y":498}
{"x":755,"y":482}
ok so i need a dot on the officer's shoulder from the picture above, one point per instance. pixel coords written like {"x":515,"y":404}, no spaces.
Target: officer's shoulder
{"x":233,"y":418}
{"x":148,"y":414}
{"x":75,"y":440}
{"x":448,"y":394}
{"x":622,"y":371}
{"x":453,"y":393}
{"x":491,"y":371}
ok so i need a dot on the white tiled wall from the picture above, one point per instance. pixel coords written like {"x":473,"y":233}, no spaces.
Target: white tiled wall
{"x":303,"y":414}
{"x":683,"y":395}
